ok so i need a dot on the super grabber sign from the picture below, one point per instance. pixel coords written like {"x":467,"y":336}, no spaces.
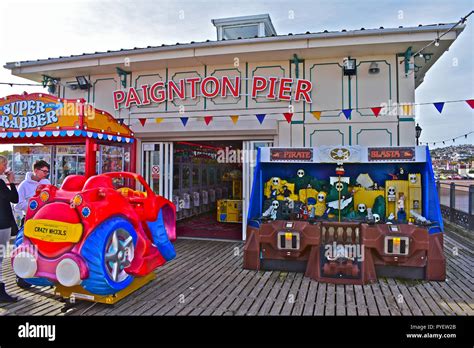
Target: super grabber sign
{"x":272,"y":88}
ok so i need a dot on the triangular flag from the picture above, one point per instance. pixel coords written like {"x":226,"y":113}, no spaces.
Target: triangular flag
{"x":439,"y":106}
{"x":260,"y":118}
{"x":234,"y":118}
{"x":288,"y":116}
{"x":184,"y":120}
{"x":207,"y":119}
{"x":347,"y":113}
{"x":159,"y":119}
{"x":471,"y":103}
{"x":376,"y":110}
{"x":142,"y":121}
{"x":316,"y":114}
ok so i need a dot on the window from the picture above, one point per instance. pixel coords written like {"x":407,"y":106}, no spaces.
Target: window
{"x":243,"y":31}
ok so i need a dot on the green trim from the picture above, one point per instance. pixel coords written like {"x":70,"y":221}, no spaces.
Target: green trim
{"x":398,"y":98}
{"x":95,"y":82}
{"x":297,"y":122}
{"x":342,"y":87}
{"x":240,"y":87}
{"x":406,"y":119}
{"x":136,"y":86}
{"x":247,"y":85}
{"x":325,"y":130}
{"x":349,"y":90}
{"x":89,"y":91}
{"x":198,"y":99}
{"x":374,"y":129}
{"x":389,"y":83}
{"x":266,"y":67}
{"x":350,"y":135}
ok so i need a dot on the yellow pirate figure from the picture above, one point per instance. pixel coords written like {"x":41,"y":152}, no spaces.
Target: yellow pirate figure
{"x":308,"y":195}
{"x":320,"y":207}
{"x":277,"y":188}
{"x":273,"y":187}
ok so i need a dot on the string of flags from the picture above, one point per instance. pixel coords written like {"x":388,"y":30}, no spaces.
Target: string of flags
{"x":445,"y":140}
{"x":439,"y":106}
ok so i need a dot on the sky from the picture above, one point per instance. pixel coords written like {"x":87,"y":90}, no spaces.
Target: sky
{"x":31,"y":30}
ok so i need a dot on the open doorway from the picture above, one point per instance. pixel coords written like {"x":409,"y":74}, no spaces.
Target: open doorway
{"x":207,"y":189}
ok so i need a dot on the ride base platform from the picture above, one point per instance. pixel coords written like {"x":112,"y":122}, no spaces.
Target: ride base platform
{"x":74,"y":293}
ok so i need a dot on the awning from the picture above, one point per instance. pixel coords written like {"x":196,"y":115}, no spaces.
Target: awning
{"x":40,"y":115}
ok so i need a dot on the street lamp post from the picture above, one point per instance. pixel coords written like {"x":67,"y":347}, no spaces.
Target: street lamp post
{"x":417,"y":133}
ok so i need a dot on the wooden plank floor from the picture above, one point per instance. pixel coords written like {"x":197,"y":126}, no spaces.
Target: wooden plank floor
{"x":207,"y":279}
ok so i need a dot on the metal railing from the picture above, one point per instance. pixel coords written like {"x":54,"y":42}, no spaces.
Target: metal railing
{"x":457,"y":203}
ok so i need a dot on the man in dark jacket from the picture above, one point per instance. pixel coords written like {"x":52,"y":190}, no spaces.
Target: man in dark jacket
{"x":8,"y":195}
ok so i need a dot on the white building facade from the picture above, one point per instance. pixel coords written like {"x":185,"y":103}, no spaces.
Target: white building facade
{"x":386,"y":76}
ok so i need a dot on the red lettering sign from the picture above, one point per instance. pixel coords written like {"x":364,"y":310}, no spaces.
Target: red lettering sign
{"x":296,"y":155}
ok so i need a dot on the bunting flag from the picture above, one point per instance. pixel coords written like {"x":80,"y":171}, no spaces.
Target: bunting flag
{"x":347,"y":113}
{"x":207,"y":119}
{"x":376,"y":110}
{"x":159,"y":119}
{"x":471,"y":103}
{"x":439,"y":106}
{"x":316,"y":114}
{"x":288,"y":116}
{"x":184,"y":120}
{"x":260,"y":117}
{"x":234,"y":118}
{"x":142,"y":121}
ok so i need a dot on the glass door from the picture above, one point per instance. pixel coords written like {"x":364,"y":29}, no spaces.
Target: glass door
{"x":157,"y":169}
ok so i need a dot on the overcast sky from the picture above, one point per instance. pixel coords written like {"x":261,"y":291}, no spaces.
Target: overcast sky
{"x":41,"y":29}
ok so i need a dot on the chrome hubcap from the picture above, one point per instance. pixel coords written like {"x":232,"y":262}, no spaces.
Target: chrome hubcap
{"x":119,"y":254}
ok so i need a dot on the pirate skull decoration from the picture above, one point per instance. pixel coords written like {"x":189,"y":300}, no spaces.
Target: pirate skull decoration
{"x":276,"y":181}
{"x":362,"y":208}
{"x":413,"y":179}
{"x":339,"y":186}
{"x":391,"y":192}
{"x":300,"y":173}
{"x":275,"y":204}
{"x":376,"y":218}
{"x":321,"y":197}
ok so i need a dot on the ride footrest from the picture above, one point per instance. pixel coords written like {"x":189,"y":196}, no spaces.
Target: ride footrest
{"x":76,"y":293}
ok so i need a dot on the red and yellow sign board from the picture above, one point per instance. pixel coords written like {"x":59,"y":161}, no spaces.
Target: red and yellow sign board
{"x":304,"y":155}
{"x":34,"y":114}
{"x":390,"y":153}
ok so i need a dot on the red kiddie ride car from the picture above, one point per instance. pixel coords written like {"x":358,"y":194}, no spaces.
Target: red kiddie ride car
{"x":91,"y":234}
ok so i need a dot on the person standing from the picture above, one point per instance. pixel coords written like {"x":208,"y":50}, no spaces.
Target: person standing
{"x":27,"y":187}
{"x":8,"y":195}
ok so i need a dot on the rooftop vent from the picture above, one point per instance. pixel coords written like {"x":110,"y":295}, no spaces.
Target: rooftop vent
{"x":244,"y":27}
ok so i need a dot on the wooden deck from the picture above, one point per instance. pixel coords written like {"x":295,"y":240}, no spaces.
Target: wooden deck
{"x":207,"y":279}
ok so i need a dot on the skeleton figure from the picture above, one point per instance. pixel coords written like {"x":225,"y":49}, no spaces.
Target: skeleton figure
{"x":272,"y":210}
{"x":362,"y":209}
{"x":376,"y":218}
{"x":391,"y":194}
{"x":300,"y":173}
{"x":413,"y":179}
